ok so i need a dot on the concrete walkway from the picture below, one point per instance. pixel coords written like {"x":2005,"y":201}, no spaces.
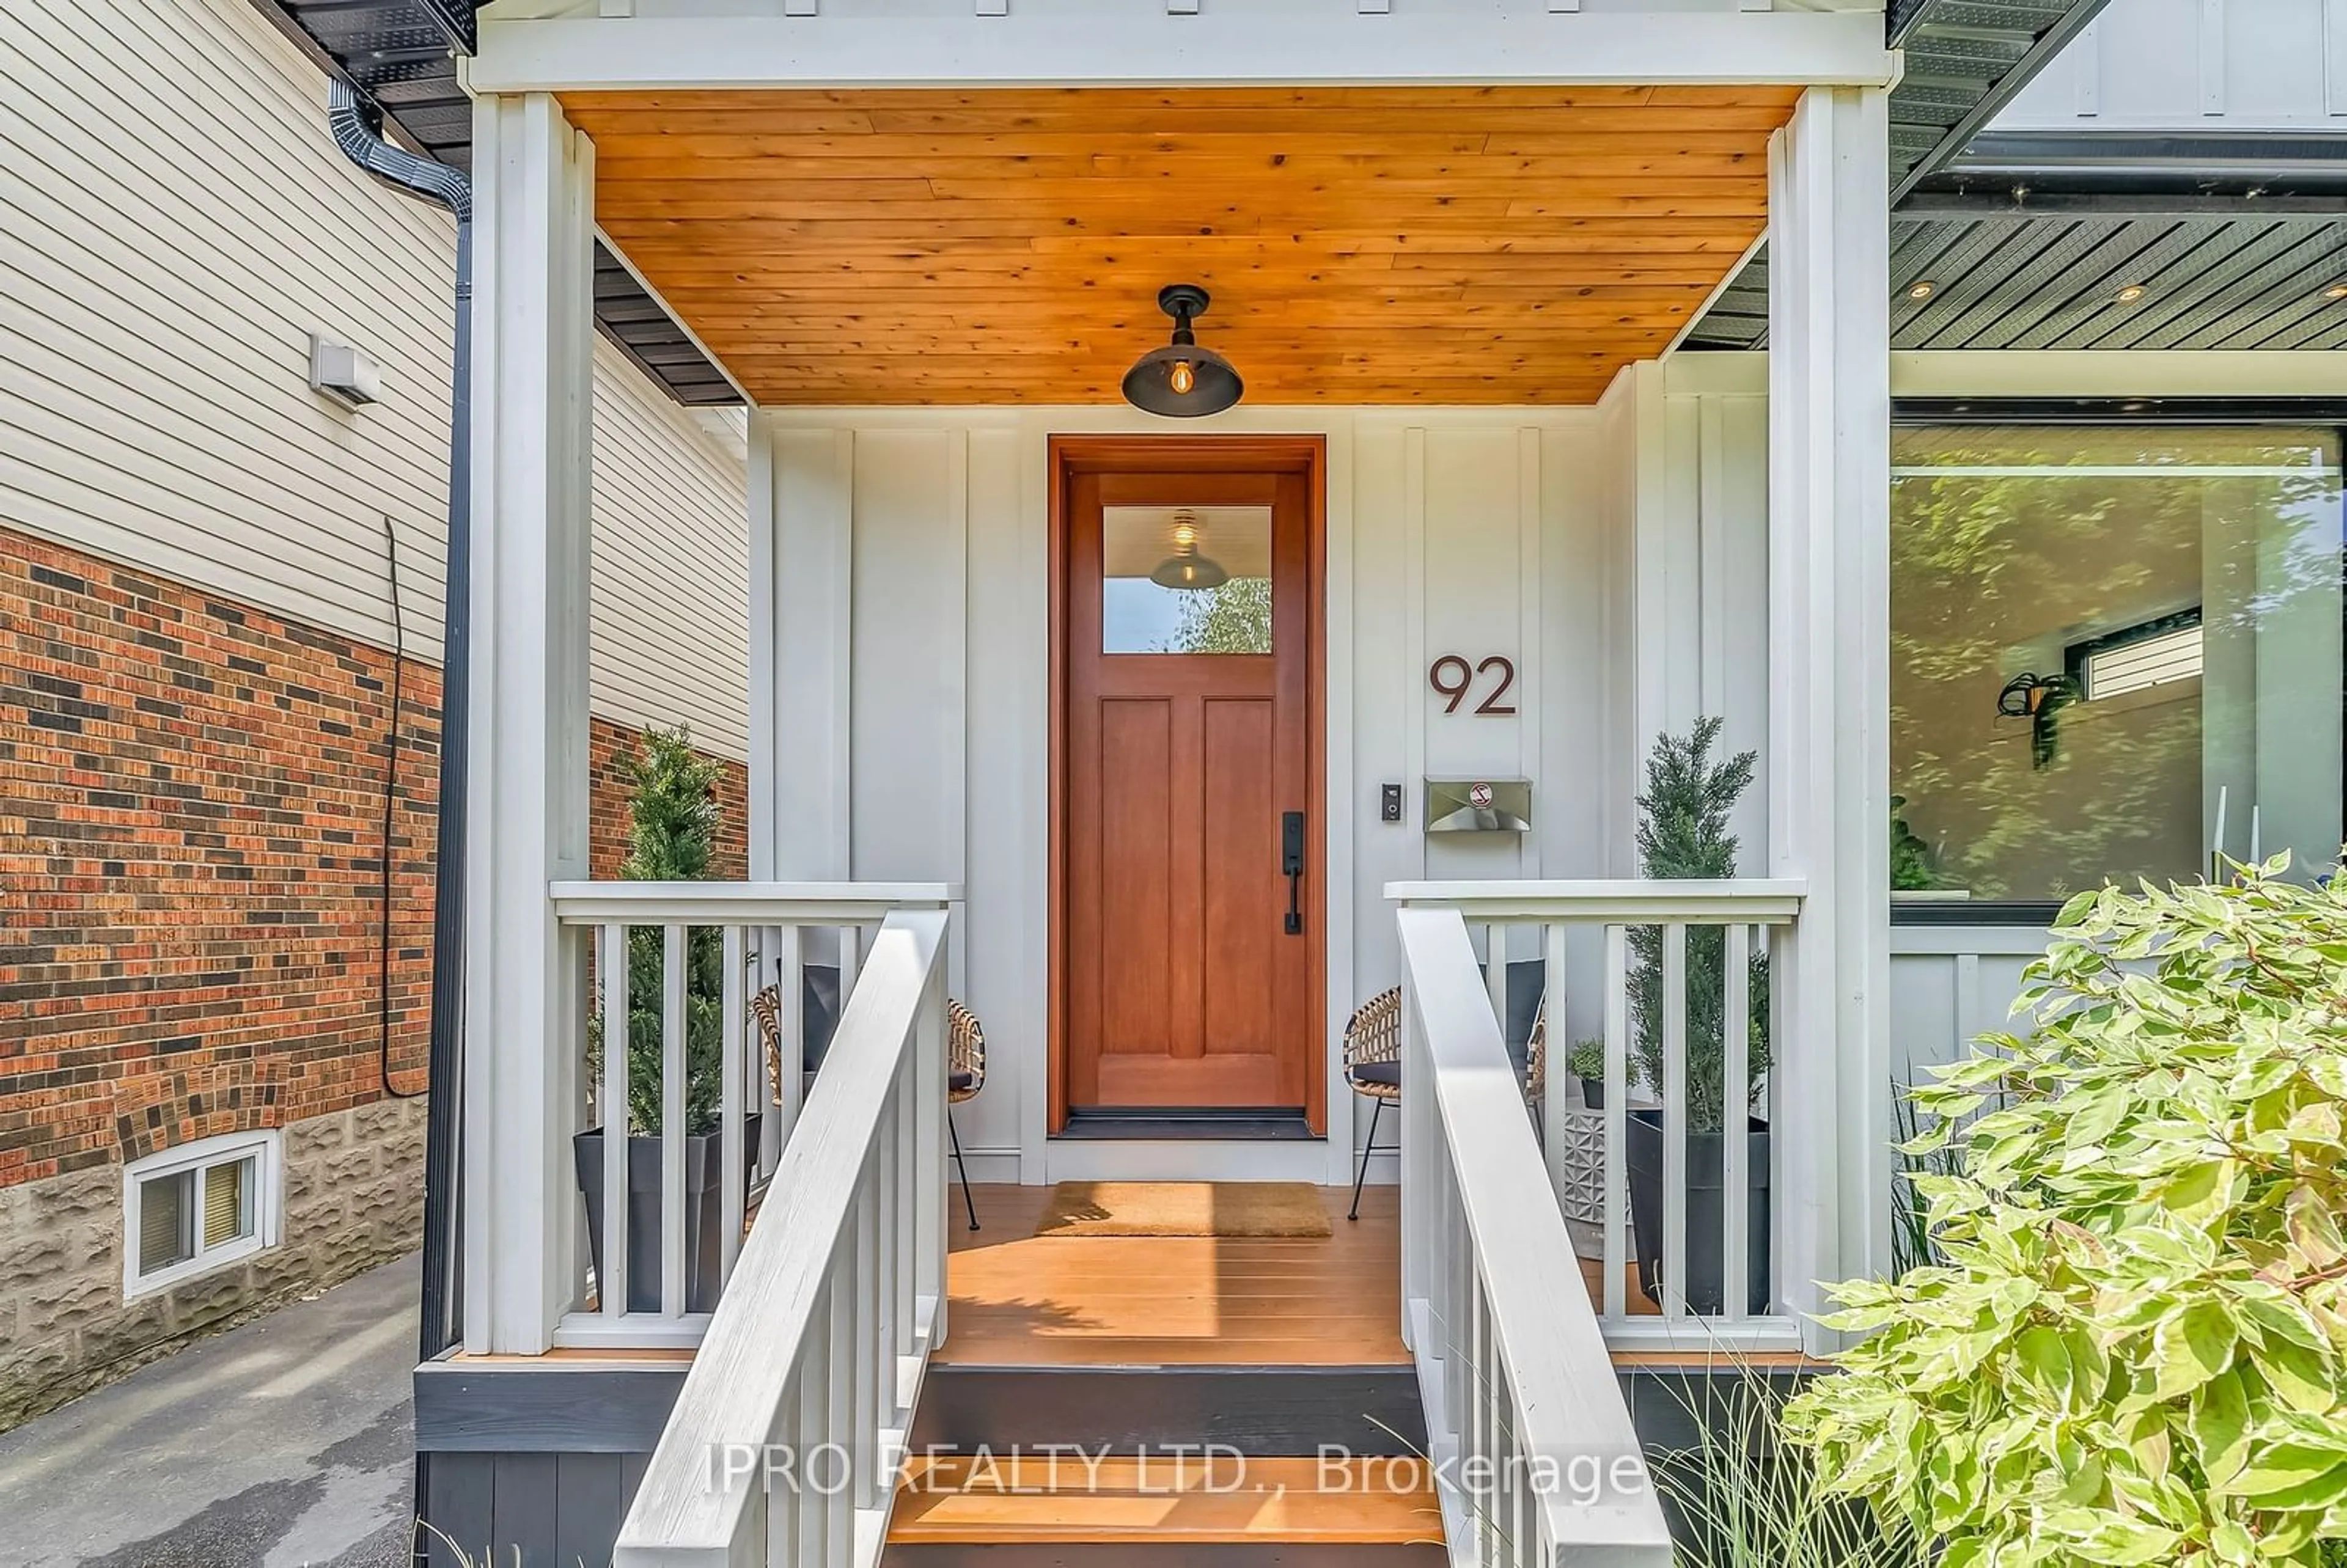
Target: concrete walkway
{"x":286,"y":1443}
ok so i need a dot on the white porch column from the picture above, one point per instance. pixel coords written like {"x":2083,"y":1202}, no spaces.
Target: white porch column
{"x":1828,"y":720}
{"x":533,"y":381}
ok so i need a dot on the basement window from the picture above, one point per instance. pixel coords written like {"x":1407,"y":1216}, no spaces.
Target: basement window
{"x":191,"y":1210}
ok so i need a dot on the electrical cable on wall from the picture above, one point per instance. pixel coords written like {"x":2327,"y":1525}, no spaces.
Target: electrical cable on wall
{"x":390,"y":805}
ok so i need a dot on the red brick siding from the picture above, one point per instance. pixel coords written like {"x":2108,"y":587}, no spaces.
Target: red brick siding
{"x":190,"y":856}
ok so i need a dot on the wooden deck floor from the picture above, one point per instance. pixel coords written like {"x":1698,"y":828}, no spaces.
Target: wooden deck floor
{"x":1020,"y":1299}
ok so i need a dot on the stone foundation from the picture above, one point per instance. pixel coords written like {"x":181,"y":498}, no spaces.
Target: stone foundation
{"x":353,"y":1198}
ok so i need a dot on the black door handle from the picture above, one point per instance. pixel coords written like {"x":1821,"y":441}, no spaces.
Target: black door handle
{"x":1291,"y":866}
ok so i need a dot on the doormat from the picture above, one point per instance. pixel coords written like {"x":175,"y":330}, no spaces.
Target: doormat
{"x":1185,"y":1208}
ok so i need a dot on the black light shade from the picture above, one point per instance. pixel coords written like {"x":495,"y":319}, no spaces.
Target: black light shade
{"x":1182,"y":381}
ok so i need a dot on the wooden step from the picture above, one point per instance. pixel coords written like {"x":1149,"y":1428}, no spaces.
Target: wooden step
{"x":1152,"y":1509}
{"x":1257,"y":1410}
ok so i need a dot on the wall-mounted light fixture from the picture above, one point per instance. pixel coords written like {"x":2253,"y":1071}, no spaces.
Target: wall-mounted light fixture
{"x":2036,"y":698}
{"x":1182,"y":381}
{"x":342,"y":373}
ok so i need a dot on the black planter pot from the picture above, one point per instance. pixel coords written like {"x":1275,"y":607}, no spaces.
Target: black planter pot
{"x":1592,"y":1093}
{"x":1706,"y":1212}
{"x":704,"y":1212}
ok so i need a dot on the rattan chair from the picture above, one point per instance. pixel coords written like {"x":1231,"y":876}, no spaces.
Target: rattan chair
{"x":1373,"y":1069}
{"x":965,"y":1076}
{"x":965,"y":1068}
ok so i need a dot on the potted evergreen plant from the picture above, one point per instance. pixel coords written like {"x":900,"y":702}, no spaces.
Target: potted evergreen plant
{"x":1683,"y":834}
{"x":1586,"y":1061}
{"x":673,"y":819}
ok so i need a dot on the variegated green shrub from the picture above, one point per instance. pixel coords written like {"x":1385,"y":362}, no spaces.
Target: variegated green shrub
{"x":2132,"y":1349}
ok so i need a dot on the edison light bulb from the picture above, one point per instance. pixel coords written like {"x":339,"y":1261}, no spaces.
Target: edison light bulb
{"x":1184,"y":378}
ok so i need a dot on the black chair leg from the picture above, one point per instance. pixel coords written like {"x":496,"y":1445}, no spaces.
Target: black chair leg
{"x":967,"y":1201}
{"x":1377,"y":1108}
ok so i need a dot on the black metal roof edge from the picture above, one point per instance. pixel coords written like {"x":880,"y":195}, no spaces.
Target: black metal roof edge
{"x":1911,"y":27}
{"x":374,"y":44}
{"x":2119,"y":410}
{"x":2242,"y":167}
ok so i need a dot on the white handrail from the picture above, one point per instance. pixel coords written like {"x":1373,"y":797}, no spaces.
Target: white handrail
{"x":1536,"y":1458}
{"x":813,"y":1362}
{"x":770,"y":932}
{"x":1634,"y":901}
{"x":743,"y":903}
{"x":1741,"y":911}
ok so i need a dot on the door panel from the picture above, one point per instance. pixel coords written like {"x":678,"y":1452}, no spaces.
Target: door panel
{"x":1137,"y":932}
{"x":1245,"y":892}
{"x":1186,"y":637}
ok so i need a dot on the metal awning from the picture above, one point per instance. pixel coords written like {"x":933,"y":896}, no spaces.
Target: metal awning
{"x":401,"y":53}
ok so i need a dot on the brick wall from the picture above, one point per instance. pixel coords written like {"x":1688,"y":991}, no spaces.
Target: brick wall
{"x":191,"y":852}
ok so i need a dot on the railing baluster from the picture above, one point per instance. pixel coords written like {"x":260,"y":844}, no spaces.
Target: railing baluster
{"x":839,"y":1499}
{"x":1416,"y":1161}
{"x":1482,"y":1363}
{"x":1678,"y":1112}
{"x":870,"y":1334}
{"x":790,"y":975}
{"x":1617,"y":1120}
{"x":851,"y":954}
{"x":672,"y":1129}
{"x":904,"y":1231}
{"x":887,"y":1328}
{"x":1495,"y":972}
{"x":930,"y":1085}
{"x":1458,"y":1307}
{"x":1556,"y":1141}
{"x":732,"y":1155}
{"x":1735,"y":1118}
{"x":784,"y":1498}
{"x":613,"y":1281}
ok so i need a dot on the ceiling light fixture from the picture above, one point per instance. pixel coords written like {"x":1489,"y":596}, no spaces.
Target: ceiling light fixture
{"x":2131,"y":293}
{"x":1182,"y":381}
{"x":2335,"y":291}
{"x":1186,"y":568}
{"x":1922,"y":289}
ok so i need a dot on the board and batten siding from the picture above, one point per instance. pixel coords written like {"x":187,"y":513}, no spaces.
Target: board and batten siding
{"x":175,"y":222}
{"x":905,"y":568}
{"x":2194,"y":68}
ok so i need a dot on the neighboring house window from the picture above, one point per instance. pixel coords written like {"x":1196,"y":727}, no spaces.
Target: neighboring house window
{"x":190,"y":1210}
{"x":2116,"y":652}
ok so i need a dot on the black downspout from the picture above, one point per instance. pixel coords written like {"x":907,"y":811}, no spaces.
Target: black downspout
{"x":355,"y":125}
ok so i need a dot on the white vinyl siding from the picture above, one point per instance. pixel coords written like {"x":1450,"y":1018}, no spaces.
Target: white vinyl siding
{"x":175,"y":222}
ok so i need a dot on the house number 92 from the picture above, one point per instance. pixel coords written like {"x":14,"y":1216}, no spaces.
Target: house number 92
{"x":1453,"y":677}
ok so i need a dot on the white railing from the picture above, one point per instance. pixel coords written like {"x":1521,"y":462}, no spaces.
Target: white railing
{"x":768,"y":932}
{"x":1580,"y":932}
{"x":784,"y":1443}
{"x":1536,"y":1461}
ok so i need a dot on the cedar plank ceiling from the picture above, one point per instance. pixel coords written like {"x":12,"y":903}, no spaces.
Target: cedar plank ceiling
{"x":1364,"y":245}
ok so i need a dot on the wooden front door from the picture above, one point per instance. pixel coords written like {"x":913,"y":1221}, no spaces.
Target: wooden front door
{"x":1190,"y":920}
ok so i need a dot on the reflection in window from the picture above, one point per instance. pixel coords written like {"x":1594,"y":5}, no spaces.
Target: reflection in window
{"x":2115,"y":652}
{"x":1185,"y":580}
